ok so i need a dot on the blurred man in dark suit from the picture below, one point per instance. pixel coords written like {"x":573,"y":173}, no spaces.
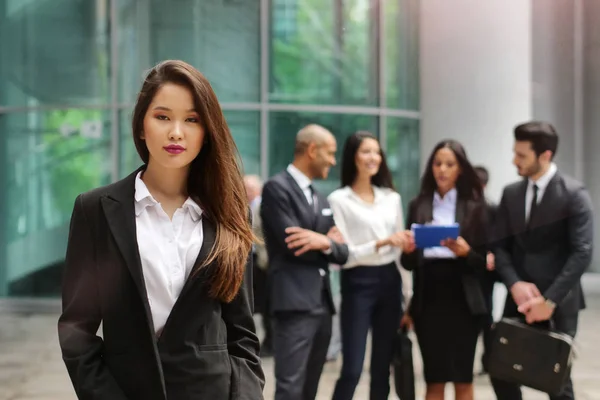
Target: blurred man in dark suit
{"x":296,"y":219}
{"x":545,"y":224}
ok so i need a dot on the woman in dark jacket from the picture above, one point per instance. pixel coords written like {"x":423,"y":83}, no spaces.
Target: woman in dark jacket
{"x":161,"y":259}
{"x":448,"y":302}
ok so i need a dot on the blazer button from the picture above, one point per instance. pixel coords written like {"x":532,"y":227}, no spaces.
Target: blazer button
{"x":322,"y":272}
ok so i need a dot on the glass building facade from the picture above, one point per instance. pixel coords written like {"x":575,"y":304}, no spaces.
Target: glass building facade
{"x":70,"y":71}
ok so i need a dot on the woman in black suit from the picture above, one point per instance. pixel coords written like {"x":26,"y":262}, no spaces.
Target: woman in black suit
{"x":448,"y":303}
{"x":161,"y":259}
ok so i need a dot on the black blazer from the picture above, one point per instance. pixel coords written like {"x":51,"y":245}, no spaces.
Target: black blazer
{"x":556,"y":250}
{"x":472,"y":214}
{"x":296,"y":284}
{"x":207,"y":349}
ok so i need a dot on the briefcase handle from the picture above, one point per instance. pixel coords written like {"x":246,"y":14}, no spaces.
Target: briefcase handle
{"x":549,"y":325}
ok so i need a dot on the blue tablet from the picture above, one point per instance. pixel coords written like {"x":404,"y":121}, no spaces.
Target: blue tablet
{"x":431,"y":235}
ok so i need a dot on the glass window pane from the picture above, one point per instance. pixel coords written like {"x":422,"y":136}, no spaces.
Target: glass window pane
{"x":245,"y":128}
{"x":220,"y":38}
{"x":48,"y":159}
{"x":403,"y":156}
{"x":129,"y":158}
{"x":54,"y":53}
{"x":285,"y":125}
{"x":323,"y":52}
{"x":402,"y":54}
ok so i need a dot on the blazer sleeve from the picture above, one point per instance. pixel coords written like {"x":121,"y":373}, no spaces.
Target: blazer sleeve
{"x":81,"y":316}
{"x":276,"y":215}
{"x":339,"y":253}
{"x":581,"y":239}
{"x":477,"y":256}
{"x":503,"y":240}
{"x":243,"y":344}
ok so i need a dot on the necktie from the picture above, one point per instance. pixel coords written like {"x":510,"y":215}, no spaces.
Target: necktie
{"x":534,"y":204}
{"x":314,"y":203}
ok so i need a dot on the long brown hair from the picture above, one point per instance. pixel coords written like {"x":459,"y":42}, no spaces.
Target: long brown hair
{"x":215,"y":180}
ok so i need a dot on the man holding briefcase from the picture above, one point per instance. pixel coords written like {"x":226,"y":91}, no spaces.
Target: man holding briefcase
{"x":545,"y":228}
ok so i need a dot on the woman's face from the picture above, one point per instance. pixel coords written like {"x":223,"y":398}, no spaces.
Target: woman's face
{"x":446,"y":169}
{"x":172,"y":128}
{"x":368,"y":158}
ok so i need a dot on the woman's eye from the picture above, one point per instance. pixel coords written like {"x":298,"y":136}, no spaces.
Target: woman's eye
{"x":162,"y":117}
{"x":194,"y":120}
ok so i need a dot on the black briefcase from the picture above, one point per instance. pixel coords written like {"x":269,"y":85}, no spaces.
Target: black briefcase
{"x":530,"y":356}
{"x":404,"y":374}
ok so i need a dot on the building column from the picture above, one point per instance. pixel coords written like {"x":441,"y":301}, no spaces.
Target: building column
{"x":475,"y":60}
{"x":591,"y":83}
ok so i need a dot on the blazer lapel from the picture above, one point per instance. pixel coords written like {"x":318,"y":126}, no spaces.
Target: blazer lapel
{"x":546,"y":203}
{"x":461,"y":212}
{"x":119,"y":210}
{"x":200,"y":271}
{"x":301,"y":198}
{"x":425,"y":211}
{"x":519,"y":207}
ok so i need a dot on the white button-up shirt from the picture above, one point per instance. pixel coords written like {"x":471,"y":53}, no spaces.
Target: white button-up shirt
{"x":168,"y":249}
{"x":444,"y":213}
{"x":362,"y":224}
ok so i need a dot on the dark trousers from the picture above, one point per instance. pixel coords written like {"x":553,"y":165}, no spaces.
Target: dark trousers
{"x":511,"y":391}
{"x":301,"y":341}
{"x":371,"y":299}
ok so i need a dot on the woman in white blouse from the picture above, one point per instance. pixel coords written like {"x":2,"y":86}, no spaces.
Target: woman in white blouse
{"x":368,"y":214}
{"x":162,"y":260}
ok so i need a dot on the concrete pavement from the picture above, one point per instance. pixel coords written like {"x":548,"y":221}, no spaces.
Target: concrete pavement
{"x":31,"y":367}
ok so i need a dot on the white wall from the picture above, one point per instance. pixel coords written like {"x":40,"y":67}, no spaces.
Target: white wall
{"x":554,"y":68}
{"x":475,"y":59}
{"x":592,"y":115}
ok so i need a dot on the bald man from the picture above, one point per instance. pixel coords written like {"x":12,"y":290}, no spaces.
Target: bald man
{"x":296,"y":220}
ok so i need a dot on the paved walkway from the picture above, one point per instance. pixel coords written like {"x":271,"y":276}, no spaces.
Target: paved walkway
{"x":31,"y":367}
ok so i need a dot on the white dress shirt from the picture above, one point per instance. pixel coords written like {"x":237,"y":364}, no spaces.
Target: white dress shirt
{"x":362,"y":224}
{"x":444,"y":213}
{"x":302,"y":180}
{"x":542,"y":184}
{"x":168,"y":249}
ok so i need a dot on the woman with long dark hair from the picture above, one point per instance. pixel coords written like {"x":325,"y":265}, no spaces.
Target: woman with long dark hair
{"x":161,"y":259}
{"x":368,"y":214}
{"x":448,"y":303}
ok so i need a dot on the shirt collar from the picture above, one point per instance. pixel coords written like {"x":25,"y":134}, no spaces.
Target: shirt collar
{"x":545,"y":179}
{"x":378,"y":194}
{"x":143,"y":199}
{"x":450,"y":197}
{"x":302,"y":180}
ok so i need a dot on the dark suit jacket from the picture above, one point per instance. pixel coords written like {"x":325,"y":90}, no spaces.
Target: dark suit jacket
{"x":557,"y":248}
{"x":296,"y":284}
{"x":470,"y":213}
{"x":207,"y":349}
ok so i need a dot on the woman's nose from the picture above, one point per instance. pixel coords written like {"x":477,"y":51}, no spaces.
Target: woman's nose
{"x":176,"y":133}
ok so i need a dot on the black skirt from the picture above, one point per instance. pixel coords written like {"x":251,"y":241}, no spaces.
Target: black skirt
{"x":446,"y":330}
